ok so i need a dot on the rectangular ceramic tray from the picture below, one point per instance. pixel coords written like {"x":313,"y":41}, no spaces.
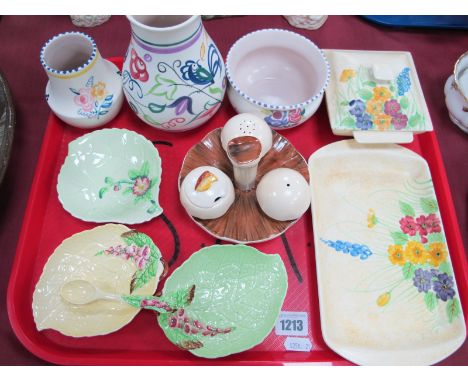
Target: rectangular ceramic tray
{"x":382,"y":86}
{"x":46,"y":224}
{"x":386,"y":288}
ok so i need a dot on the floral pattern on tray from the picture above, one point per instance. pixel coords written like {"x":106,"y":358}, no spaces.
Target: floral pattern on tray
{"x":365,"y":104}
{"x":419,"y":249}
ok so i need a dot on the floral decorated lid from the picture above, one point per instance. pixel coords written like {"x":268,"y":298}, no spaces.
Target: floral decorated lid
{"x":111,"y":175}
{"x":113,"y":258}
{"x":238,"y":294}
{"x":375,"y":96}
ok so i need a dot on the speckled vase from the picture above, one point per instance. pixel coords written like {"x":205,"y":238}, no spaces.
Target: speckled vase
{"x":173,"y":75}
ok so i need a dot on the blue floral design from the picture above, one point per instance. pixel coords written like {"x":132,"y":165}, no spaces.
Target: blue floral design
{"x":364,"y":122}
{"x":443,"y":287}
{"x":403,"y":81}
{"x":277,"y":119}
{"x":357,"y":107}
{"x":194,"y":72}
{"x":422,"y":280}
{"x":354,"y":249}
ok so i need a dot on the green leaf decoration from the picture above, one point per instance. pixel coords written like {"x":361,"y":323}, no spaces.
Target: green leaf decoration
{"x":143,"y":276}
{"x":452,"y":309}
{"x":108,"y":181}
{"x":164,"y":87}
{"x":178,"y":299}
{"x":445,"y":267}
{"x":145,"y":169}
{"x":148,"y":118}
{"x":128,"y":190}
{"x":154,"y":207}
{"x":344,"y":103}
{"x":102,"y":191}
{"x":406,"y":209}
{"x":236,"y":287}
{"x":408,"y":271}
{"x":429,"y":205}
{"x":404,"y":102}
{"x":392,"y":88}
{"x":100,"y":253}
{"x":372,"y":84}
{"x":430,"y":300}
{"x":155,"y":108}
{"x":214,"y":90}
{"x":133,"y":174}
{"x":436,"y":237}
{"x":399,"y":238}
{"x":414,"y":120}
{"x":348,"y":122}
{"x":365,"y":94}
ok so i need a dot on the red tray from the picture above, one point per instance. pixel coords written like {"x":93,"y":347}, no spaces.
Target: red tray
{"x":46,"y":224}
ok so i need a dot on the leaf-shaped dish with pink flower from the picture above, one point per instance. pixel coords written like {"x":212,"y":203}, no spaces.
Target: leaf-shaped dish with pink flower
{"x":111,"y":257}
{"x":111,"y":175}
{"x":237,"y":298}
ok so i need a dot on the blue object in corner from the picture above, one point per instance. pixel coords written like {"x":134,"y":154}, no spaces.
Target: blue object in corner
{"x":439,"y":22}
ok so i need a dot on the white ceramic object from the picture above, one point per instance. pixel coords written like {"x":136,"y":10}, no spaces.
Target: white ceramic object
{"x":207,"y":193}
{"x":375,"y":96}
{"x":94,"y":256}
{"x":173,"y":74}
{"x":89,"y":21}
{"x":277,"y":74}
{"x":386,"y":285}
{"x":306,"y":22}
{"x":283,"y":194}
{"x":456,"y":105}
{"x":111,"y":175}
{"x":84,"y":90}
{"x":246,"y":138}
{"x":456,"y":93}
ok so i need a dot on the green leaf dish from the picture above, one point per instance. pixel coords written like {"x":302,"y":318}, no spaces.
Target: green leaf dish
{"x":237,"y":298}
{"x":111,"y":175}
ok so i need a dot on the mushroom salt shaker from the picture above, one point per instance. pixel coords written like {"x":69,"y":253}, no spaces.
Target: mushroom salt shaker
{"x":283,"y":194}
{"x":246,"y":139}
{"x":207,"y":193}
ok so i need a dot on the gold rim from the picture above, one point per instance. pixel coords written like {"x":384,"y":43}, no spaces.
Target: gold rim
{"x":455,"y":81}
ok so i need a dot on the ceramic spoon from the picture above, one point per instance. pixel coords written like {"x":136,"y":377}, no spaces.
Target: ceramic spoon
{"x":82,"y":292}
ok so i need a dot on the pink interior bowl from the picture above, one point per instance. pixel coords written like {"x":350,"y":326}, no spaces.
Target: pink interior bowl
{"x":278,"y":74}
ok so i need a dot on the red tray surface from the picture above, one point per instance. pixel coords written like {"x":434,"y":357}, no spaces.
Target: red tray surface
{"x":46,"y":224}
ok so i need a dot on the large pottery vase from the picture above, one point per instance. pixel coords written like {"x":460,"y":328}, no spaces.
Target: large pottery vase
{"x":173,"y":75}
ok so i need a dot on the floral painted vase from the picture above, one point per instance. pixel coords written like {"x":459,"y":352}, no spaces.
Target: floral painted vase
{"x":173,"y":75}
{"x":84,"y":90}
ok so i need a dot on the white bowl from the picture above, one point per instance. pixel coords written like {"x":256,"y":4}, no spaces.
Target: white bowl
{"x":277,"y":74}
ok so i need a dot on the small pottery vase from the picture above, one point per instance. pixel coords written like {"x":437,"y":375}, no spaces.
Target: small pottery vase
{"x":173,"y":75}
{"x":456,"y":93}
{"x":84,"y":90}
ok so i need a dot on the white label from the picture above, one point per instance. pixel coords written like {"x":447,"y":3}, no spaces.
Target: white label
{"x":297,"y":344}
{"x":292,"y":324}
